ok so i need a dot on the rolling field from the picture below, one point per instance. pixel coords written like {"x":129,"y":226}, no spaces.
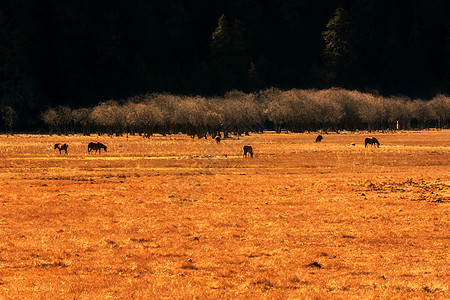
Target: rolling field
{"x":180,"y":218}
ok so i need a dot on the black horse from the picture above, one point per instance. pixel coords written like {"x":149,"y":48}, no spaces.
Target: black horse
{"x":248,"y":150}
{"x":217,"y":139}
{"x":61,"y":147}
{"x":371,"y":141}
{"x":97,"y":147}
{"x":319,"y":138}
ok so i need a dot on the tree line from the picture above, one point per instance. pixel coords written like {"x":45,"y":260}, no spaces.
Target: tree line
{"x":77,"y":53}
{"x":240,"y":113}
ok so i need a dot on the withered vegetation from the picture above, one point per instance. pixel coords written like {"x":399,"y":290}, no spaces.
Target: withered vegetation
{"x":175,"y":217}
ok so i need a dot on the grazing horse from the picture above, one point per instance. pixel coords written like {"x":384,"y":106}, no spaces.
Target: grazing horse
{"x":372,"y":141}
{"x":97,"y":147}
{"x":248,"y":150}
{"x":61,"y":147}
{"x":319,"y":138}
{"x":217,"y":139}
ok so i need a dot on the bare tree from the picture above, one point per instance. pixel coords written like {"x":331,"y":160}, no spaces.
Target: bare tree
{"x":81,"y":116}
{"x":422,"y":112}
{"x":64,"y":115}
{"x":350,"y":119}
{"x":441,"y":106}
{"x":370,"y":109}
{"x":329,"y":110}
{"x":241,"y":113}
{"x":398,"y":112}
{"x":50,"y":117}
{"x":277,"y":111}
{"x":110,"y":117}
{"x":144,"y":117}
{"x":167,"y":105}
{"x":9,"y":116}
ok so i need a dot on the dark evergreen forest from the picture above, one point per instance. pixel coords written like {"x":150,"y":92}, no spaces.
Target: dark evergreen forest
{"x":80,"y":53}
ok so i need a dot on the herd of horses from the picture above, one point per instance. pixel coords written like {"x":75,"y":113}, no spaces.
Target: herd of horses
{"x":368,"y":141}
{"x":91,"y":147}
{"x":248,"y":150}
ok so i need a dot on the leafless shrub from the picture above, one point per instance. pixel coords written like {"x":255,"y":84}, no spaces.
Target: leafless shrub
{"x":370,"y":109}
{"x":440,"y":104}
{"x":190,"y":116}
{"x":50,"y":118}
{"x":9,"y":116}
{"x":58,"y":119}
{"x":422,"y":112}
{"x":167,"y":104}
{"x":81,"y":116}
{"x":214,"y":117}
{"x":110,"y":117}
{"x":277,"y":109}
{"x":328,"y":109}
{"x":302,"y":109}
{"x":241,"y":113}
{"x":143,"y":117}
{"x":398,"y":112}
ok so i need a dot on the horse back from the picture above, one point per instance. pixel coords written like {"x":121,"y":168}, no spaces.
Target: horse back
{"x":101,"y":146}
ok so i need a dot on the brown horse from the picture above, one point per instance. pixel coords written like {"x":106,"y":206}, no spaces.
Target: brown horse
{"x":61,"y":147}
{"x":248,"y":151}
{"x":319,"y":138}
{"x":371,"y":141}
{"x":97,"y":147}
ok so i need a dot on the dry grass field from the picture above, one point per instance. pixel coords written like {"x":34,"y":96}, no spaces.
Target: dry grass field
{"x":180,"y":218}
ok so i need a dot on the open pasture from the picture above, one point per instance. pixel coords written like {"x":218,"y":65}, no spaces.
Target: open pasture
{"x":174,"y":217}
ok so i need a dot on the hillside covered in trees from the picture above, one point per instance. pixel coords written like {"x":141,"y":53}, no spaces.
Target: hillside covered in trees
{"x":78,"y":54}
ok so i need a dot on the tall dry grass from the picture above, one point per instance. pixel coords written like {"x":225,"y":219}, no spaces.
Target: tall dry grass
{"x":173,"y":217}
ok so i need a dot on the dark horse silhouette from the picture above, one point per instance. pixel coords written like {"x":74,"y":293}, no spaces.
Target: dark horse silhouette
{"x":319,"y":138}
{"x":97,"y":147}
{"x":248,"y":151}
{"x":217,"y":139}
{"x":61,"y":147}
{"x":371,"y":141}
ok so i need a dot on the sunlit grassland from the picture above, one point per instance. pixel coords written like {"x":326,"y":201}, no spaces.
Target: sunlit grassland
{"x":175,"y":217}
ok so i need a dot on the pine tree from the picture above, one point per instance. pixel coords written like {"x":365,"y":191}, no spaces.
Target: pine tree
{"x":339,"y":52}
{"x":229,"y":51}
